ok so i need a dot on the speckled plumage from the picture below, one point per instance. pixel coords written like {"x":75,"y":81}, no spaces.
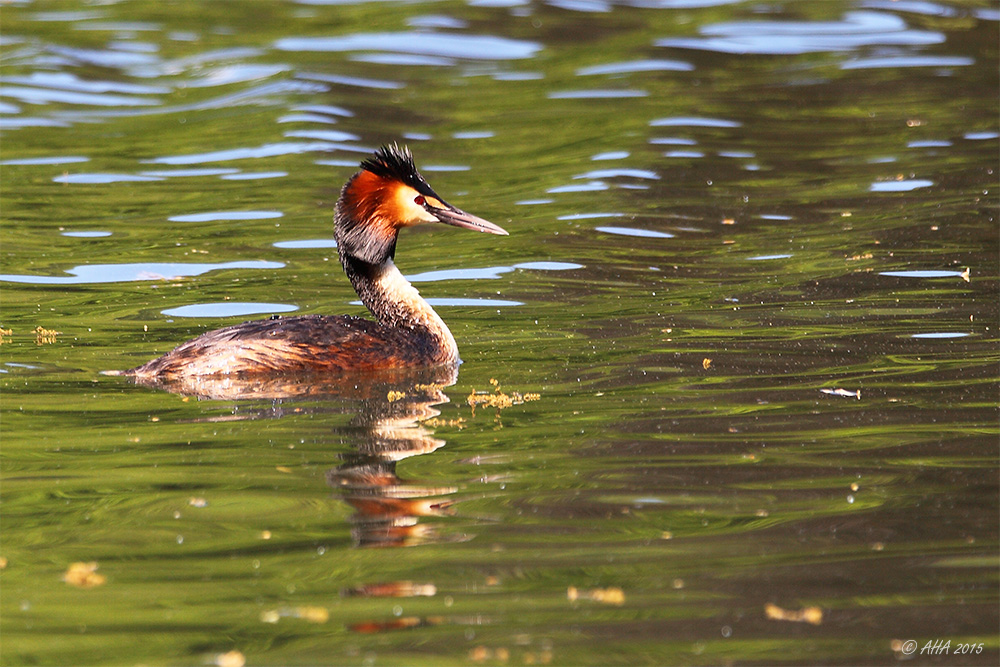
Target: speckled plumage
{"x":290,"y":344}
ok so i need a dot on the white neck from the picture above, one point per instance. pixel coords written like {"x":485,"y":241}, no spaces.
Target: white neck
{"x":396,"y":303}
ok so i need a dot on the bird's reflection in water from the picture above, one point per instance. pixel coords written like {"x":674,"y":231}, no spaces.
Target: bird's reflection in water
{"x":391,"y":411}
{"x":390,"y":408}
{"x":387,"y":508}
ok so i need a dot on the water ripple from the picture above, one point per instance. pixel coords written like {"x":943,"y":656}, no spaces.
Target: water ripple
{"x":214,"y":216}
{"x":257,"y":152}
{"x":924,"y":274}
{"x":187,"y":173}
{"x":104,"y":57}
{"x":598,"y":94}
{"x":627,"y":67}
{"x":253,"y":175}
{"x":472,"y":302}
{"x":593,"y":186}
{"x":942,"y":334}
{"x":119,"y":273}
{"x":908,"y":61}
{"x":408,"y":59}
{"x":489,"y":272}
{"x":357,"y":82}
{"x":693,"y":121}
{"x":618,"y":173}
{"x":900,"y":186}
{"x":87,"y":235}
{"x":49,"y":95}
{"x":236,"y":73}
{"x":56,"y":159}
{"x":322,"y":135}
{"x":856,"y":29}
{"x":228,"y":309}
{"x":470,"y":47}
{"x":631,"y":231}
{"x":306,"y":243}
{"x":100,"y":179}
{"x":610,"y":155}
{"x":70,"y":82}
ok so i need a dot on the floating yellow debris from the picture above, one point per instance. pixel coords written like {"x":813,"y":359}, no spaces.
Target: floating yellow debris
{"x":5,"y":332}
{"x":231,"y":659}
{"x":606,"y":595}
{"x":498,"y":399}
{"x":705,"y":363}
{"x":394,"y":395}
{"x":84,"y":575}
{"x":197,"y":502}
{"x":43,"y":335}
{"x":3,"y":563}
{"x":313,"y":614}
{"x":813,"y":615}
{"x":435,"y":422}
{"x":483,"y":653}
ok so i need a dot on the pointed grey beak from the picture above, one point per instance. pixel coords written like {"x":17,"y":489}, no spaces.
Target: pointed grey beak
{"x":458,"y":218}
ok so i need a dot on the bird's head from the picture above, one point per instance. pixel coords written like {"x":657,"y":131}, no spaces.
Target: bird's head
{"x":387,"y":195}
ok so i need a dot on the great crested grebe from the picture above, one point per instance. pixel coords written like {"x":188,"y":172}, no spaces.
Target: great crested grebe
{"x":385,"y":196}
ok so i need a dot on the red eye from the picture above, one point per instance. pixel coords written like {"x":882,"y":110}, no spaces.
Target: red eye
{"x":419,"y":201}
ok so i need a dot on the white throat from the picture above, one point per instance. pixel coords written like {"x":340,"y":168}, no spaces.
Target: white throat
{"x":395,"y":302}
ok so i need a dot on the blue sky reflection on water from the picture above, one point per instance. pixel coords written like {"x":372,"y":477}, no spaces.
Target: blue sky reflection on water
{"x":114,"y":273}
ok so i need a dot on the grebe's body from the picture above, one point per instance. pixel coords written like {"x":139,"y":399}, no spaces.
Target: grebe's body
{"x":385,"y":196}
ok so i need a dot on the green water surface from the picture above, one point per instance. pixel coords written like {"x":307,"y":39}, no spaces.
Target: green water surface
{"x":745,"y":323}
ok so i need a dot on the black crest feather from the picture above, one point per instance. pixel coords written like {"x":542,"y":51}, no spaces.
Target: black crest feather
{"x":395,"y":162}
